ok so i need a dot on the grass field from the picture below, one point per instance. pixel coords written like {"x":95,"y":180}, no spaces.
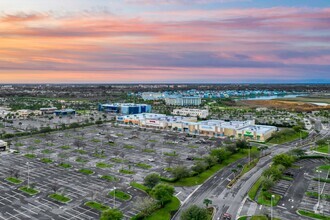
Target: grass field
{"x":324,"y":167}
{"x":323,"y":149}
{"x":165,"y":213}
{"x":264,"y":198}
{"x":254,"y":189}
{"x":287,"y":136}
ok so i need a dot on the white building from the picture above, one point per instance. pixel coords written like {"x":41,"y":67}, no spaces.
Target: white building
{"x":183,"y":100}
{"x":4,"y":112}
{"x":201,"y":113}
{"x":3,"y":145}
{"x":152,"y":96}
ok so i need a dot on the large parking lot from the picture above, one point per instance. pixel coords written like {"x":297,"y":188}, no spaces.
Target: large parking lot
{"x":122,"y":154}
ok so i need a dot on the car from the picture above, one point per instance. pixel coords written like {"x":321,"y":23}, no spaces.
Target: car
{"x":226,"y":216}
{"x":189,"y":158}
{"x":151,"y":160}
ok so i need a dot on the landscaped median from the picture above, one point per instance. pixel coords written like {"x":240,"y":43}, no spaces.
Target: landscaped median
{"x":96,"y":205}
{"x":14,"y":180}
{"x":86,"y":171}
{"x":140,"y":186}
{"x":28,"y":190}
{"x":59,"y":198}
{"x":246,"y":168}
{"x":313,"y":215}
{"x":120,"y":195}
{"x":261,"y":196}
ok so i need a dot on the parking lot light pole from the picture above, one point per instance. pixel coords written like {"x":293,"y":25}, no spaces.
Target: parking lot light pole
{"x":271,"y":207}
{"x":28,"y":179}
{"x":114,"y":197}
{"x":319,"y":189}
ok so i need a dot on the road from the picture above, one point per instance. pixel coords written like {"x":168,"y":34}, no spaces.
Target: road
{"x":230,"y":200}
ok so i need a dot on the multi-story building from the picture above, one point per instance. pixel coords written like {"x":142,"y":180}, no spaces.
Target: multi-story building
{"x":200,"y":113}
{"x":3,"y":145}
{"x":49,"y":110}
{"x":125,"y":108}
{"x":65,"y":112}
{"x":212,"y":128}
{"x":183,"y":100}
{"x":152,"y":96}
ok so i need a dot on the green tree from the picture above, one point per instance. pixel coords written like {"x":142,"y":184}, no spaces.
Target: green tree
{"x":194,"y":212}
{"x":199,"y":167}
{"x":207,"y":202}
{"x":163,"y":193}
{"x":151,"y":180}
{"x":210,"y":160}
{"x":220,"y":153}
{"x":180,"y":172}
{"x":273,"y":172}
{"x":112,"y":214}
{"x":242,"y":144}
{"x":283,"y":159}
{"x":267,"y":183}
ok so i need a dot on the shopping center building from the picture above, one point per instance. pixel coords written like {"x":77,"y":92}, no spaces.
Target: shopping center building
{"x":212,"y":128}
{"x":125,"y":108}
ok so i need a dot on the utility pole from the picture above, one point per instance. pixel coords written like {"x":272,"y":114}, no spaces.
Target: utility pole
{"x":271,"y":207}
{"x":114,"y":197}
{"x":319,"y":189}
{"x":28,"y":163}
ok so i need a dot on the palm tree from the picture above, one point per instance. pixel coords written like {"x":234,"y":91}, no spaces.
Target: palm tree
{"x":207,"y":202}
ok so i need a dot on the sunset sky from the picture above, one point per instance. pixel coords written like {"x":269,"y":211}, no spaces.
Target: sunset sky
{"x":134,"y":41}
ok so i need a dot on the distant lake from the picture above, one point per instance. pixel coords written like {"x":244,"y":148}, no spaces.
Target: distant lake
{"x":269,"y":97}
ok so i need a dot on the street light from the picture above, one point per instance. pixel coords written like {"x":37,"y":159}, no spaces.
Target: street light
{"x":319,"y":189}
{"x":28,"y":164}
{"x":114,"y":197}
{"x":271,"y":207}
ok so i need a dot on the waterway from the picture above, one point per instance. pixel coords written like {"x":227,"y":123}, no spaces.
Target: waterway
{"x":269,"y":97}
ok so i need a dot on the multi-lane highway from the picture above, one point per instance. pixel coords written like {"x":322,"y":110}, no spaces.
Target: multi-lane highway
{"x":230,"y":200}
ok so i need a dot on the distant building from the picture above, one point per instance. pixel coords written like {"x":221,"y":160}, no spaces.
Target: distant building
{"x":150,"y":96}
{"x":3,"y":145}
{"x":183,"y":100}
{"x":4,"y":112}
{"x":318,"y":125}
{"x":25,"y":113}
{"x":65,"y":112}
{"x":125,"y":108}
{"x":201,"y":113}
{"x":49,"y":110}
